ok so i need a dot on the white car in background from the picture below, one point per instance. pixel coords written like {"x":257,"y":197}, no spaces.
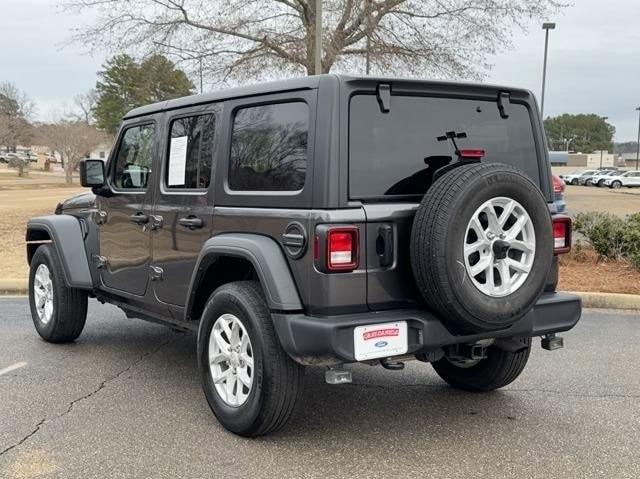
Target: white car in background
{"x":573,"y":178}
{"x":629,"y":179}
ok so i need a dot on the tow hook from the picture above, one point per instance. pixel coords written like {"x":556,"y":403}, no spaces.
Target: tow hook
{"x":391,"y":365}
{"x":551,"y":342}
{"x":337,"y":375}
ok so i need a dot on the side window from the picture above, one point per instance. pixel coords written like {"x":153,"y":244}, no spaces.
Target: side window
{"x":190,"y":152}
{"x":135,"y":157}
{"x":269,"y":147}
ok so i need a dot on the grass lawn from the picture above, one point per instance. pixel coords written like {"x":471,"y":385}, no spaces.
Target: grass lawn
{"x":16,"y":207}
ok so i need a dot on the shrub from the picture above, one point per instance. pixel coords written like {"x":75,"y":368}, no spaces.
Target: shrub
{"x":631,"y":239}
{"x":604,"y":231}
{"x":611,"y":237}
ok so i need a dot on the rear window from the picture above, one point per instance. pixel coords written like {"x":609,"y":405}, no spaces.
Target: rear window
{"x":390,"y":153}
{"x":269,"y":147}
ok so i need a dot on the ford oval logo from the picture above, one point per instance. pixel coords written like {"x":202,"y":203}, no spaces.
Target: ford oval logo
{"x":381,"y":344}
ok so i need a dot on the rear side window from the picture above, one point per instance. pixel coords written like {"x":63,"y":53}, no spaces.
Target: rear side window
{"x":269,"y":147}
{"x":389,"y":152}
{"x":190,"y":152}
{"x":135,"y":157}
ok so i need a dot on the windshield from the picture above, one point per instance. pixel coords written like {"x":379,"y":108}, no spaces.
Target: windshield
{"x":395,"y":153}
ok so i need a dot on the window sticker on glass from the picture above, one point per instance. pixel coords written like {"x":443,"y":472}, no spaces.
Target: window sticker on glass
{"x":177,"y":161}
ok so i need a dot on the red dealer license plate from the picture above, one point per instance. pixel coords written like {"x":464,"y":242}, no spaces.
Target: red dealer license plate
{"x":380,"y":340}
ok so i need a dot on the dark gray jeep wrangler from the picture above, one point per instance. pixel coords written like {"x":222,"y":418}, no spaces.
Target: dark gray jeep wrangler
{"x":318,"y":222}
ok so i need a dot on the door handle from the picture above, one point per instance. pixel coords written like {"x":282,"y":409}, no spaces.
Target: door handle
{"x":191,"y":222}
{"x":139,"y":219}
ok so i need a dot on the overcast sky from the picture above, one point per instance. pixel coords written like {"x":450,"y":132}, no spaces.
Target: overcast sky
{"x":594,"y":59}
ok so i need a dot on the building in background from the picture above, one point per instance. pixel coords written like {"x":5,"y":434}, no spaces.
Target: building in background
{"x":101,"y":151}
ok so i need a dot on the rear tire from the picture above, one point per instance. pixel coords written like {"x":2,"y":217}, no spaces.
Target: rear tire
{"x":265,"y":393}
{"x":497,"y":370}
{"x":58,"y":312}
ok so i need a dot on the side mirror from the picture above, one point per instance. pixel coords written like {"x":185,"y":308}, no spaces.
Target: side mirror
{"x":92,"y":173}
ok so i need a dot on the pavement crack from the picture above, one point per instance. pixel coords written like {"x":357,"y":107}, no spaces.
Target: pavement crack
{"x":25,"y":438}
{"x":95,"y":391}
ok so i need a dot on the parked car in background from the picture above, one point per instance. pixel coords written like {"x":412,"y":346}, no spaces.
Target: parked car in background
{"x":599,"y":180}
{"x":569,"y":177}
{"x":629,"y":179}
{"x":588,"y":180}
{"x":558,"y":194}
{"x":7,"y":157}
{"x":579,"y":179}
{"x":572,"y":178}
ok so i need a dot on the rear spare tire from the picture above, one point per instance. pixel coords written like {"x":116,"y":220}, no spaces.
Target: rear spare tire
{"x":481,"y":246}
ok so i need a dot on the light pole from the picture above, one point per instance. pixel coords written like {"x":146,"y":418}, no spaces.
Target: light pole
{"x":318,"y":32}
{"x":546,"y":27}
{"x":604,"y":118}
{"x":638,"y":150}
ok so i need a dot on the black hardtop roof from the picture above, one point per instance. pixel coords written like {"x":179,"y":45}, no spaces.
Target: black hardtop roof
{"x":307,"y":83}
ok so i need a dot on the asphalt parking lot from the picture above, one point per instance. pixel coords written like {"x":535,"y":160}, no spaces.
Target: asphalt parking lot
{"x":624,"y":201}
{"x":125,"y":401}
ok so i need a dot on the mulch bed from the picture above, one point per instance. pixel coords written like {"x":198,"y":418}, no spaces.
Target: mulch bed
{"x":584,"y":271}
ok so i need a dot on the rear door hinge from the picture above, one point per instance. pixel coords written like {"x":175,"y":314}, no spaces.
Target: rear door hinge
{"x":100,"y":217}
{"x":156,"y":273}
{"x":504,"y":99}
{"x":100,"y":261}
{"x":383,"y":94}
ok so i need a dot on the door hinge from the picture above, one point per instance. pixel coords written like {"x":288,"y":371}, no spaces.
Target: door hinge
{"x":504,"y":99}
{"x":156,"y":222}
{"x":156,"y":273}
{"x":383,"y":94}
{"x":100,"y":261}
{"x":101,"y":217}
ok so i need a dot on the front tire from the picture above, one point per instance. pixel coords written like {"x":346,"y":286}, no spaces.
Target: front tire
{"x":574,"y":182}
{"x":616,"y":185}
{"x":58,"y":312}
{"x":498,"y":369}
{"x":250,"y":382}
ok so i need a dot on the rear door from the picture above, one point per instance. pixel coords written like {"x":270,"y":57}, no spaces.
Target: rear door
{"x":183,"y":210}
{"x":392,"y":157}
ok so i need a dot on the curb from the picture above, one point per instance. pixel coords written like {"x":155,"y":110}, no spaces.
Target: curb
{"x":609,"y":300}
{"x":13,"y":287}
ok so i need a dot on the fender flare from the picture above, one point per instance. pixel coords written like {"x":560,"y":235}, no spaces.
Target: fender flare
{"x":68,"y":240}
{"x":268,"y":260}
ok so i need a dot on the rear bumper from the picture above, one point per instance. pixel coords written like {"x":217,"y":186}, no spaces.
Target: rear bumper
{"x":329,"y":340}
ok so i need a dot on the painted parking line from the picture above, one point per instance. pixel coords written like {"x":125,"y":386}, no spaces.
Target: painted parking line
{"x":13,"y":367}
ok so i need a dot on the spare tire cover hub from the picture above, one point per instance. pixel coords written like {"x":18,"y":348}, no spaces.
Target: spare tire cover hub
{"x":499,"y":247}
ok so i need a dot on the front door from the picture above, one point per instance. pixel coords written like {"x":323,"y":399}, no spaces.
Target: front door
{"x":184,"y":201}
{"x":124,"y":214}
{"x":634,"y":179}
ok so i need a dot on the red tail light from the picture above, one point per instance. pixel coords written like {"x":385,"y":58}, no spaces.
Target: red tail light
{"x":342,"y":249}
{"x":558,"y":184}
{"x":561,"y":234}
{"x":471,"y":154}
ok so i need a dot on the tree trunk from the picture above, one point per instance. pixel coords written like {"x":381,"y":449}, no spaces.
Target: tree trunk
{"x":68,"y":172}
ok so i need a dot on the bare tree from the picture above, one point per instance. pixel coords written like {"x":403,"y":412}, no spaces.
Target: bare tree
{"x":83,"y":106}
{"x":74,"y":140}
{"x":240,"y":39}
{"x":16,"y":110}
